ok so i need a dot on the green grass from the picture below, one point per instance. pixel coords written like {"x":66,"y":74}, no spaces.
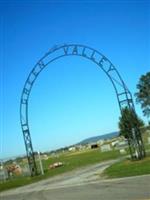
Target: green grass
{"x":17,"y":182}
{"x":77,"y":160}
{"x":74,"y":161}
{"x":128,"y":168}
{"x":70,"y":161}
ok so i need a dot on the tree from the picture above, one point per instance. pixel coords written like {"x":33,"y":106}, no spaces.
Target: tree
{"x":128,"y":121}
{"x":143,"y":93}
{"x":129,"y":125}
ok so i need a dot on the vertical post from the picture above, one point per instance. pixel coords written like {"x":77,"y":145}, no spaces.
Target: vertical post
{"x":3,"y":170}
{"x":40,"y":162}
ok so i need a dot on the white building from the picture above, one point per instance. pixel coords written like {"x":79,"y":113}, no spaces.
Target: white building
{"x":72,"y":149}
{"x":114,"y":143}
{"x":122,"y":144}
{"x":105,"y":147}
{"x":100,"y":142}
{"x":3,"y":174}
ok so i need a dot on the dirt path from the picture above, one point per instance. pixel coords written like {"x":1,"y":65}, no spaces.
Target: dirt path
{"x":75,"y":177}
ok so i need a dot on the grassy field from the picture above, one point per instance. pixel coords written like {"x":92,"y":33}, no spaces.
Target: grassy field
{"x":128,"y":168}
{"x":78,"y":159}
{"x":70,"y":162}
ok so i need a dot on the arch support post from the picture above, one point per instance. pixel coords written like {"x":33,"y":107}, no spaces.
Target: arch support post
{"x":135,"y":140}
{"x":27,"y":137}
{"x":30,"y":153}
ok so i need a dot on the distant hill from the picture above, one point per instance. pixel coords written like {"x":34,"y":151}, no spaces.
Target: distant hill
{"x":100,"y":137}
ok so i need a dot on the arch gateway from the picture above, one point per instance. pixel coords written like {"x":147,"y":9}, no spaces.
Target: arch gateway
{"x":124,"y":96}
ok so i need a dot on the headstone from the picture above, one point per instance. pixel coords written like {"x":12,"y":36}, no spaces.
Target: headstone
{"x":122,"y":151}
{"x":148,"y":140}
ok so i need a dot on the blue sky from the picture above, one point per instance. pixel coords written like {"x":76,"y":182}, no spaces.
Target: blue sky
{"x":72,"y":98}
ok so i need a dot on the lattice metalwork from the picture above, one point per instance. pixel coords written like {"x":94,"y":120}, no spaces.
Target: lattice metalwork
{"x":124,"y":96}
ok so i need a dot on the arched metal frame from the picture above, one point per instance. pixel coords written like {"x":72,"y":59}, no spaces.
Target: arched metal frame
{"x":124,"y":96}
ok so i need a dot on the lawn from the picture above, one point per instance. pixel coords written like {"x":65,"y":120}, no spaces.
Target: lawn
{"x":128,"y":168}
{"x":70,"y":162}
{"x":74,"y":161}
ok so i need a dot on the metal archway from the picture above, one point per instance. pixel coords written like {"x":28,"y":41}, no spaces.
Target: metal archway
{"x":124,"y":96}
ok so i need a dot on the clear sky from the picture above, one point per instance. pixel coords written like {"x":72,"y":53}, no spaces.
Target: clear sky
{"x":72,"y":99}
